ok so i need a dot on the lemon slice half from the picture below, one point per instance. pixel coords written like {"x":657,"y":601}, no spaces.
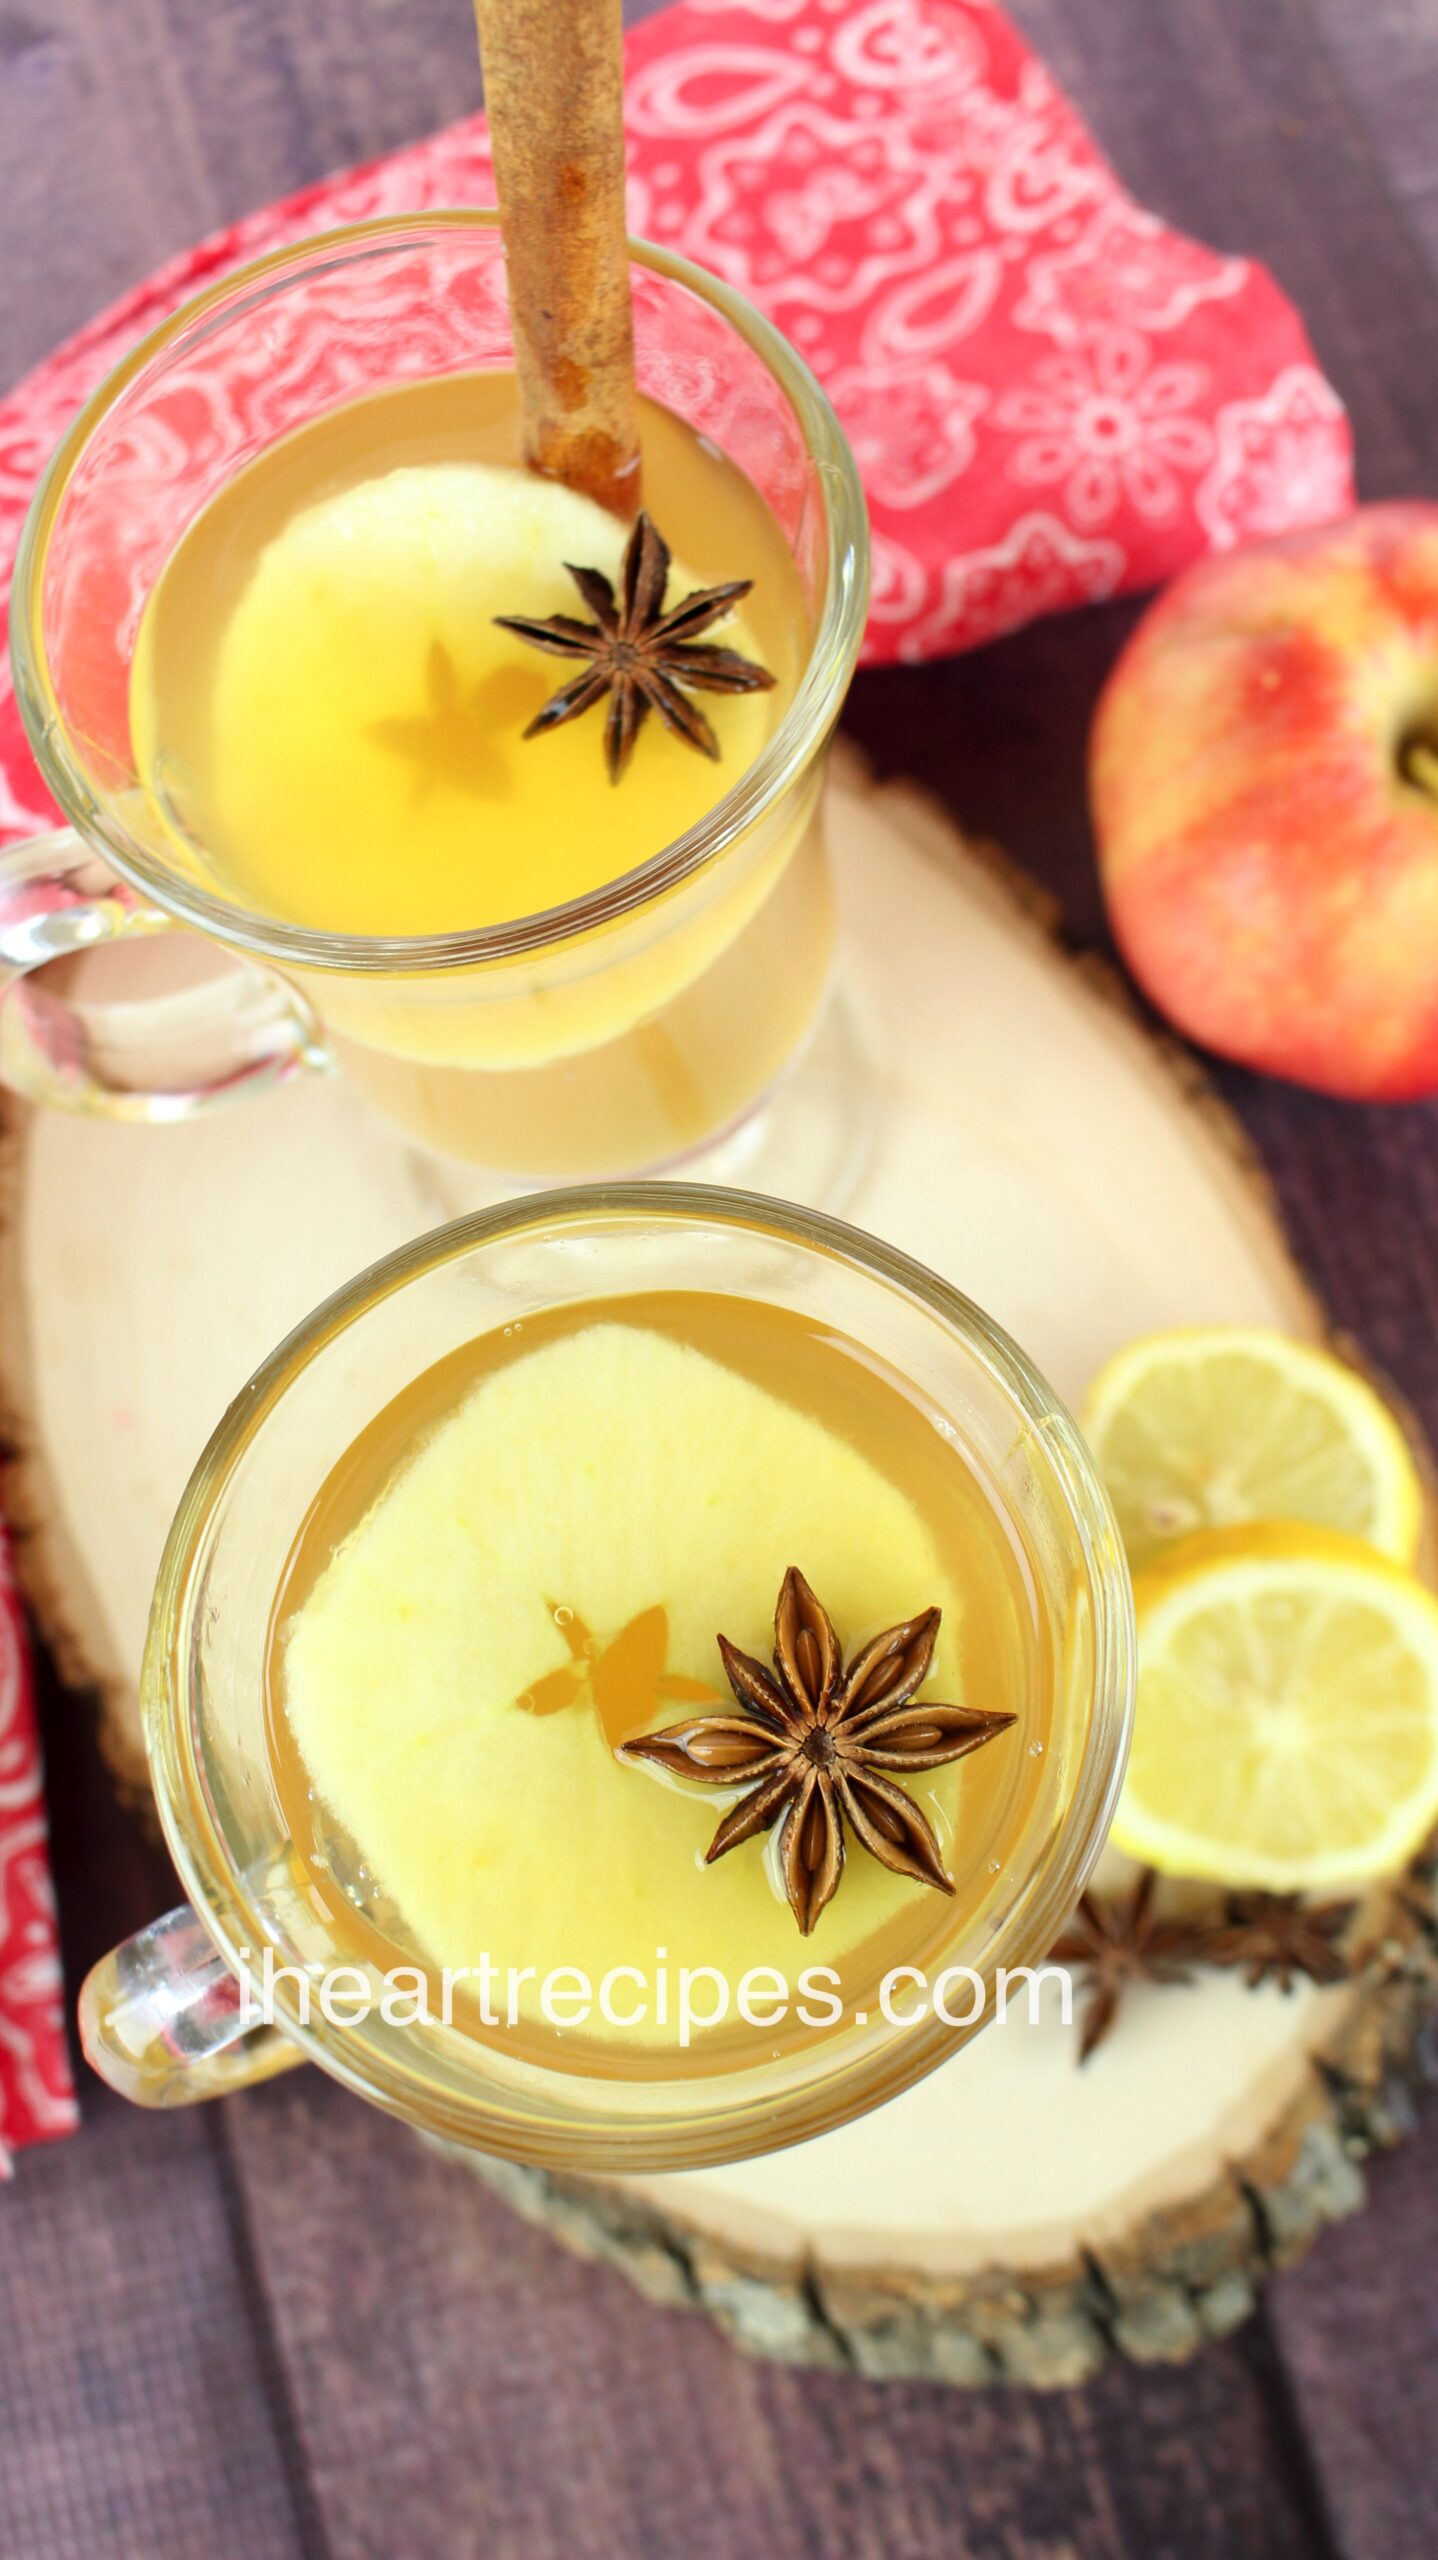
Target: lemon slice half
{"x":1216,"y":1425}
{"x":1287,"y":1728}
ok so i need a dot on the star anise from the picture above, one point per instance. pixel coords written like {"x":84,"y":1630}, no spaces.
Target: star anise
{"x":1122,"y":1942}
{"x":637,"y":653}
{"x":1277,"y":1936}
{"x":812,"y":1742}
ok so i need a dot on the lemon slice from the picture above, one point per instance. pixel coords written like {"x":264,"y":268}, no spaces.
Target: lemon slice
{"x":1287,"y":1728}
{"x":1218,"y":1424}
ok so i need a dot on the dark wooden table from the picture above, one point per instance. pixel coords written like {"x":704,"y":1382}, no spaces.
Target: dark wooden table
{"x":278,"y":2327}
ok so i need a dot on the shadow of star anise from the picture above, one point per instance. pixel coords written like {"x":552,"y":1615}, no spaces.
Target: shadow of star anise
{"x":637,"y":653}
{"x":452,"y":741}
{"x":612,"y":1676}
{"x":813,"y":1744}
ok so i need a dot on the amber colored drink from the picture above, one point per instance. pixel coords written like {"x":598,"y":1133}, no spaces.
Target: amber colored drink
{"x":525,"y":1561}
{"x":321,"y":699}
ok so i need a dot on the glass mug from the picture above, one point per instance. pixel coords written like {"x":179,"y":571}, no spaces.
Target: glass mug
{"x":616,"y":1032}
{"x":161,"y":2017}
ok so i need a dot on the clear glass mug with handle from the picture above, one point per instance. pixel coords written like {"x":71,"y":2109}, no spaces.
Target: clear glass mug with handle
{"x":162,"y":2017}
{"x":623,"y":1030}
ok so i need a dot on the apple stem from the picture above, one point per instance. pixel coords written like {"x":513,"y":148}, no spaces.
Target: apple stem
{"x":1420,"y":766}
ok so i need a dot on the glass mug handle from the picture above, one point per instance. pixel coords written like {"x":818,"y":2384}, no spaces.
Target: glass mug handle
{"x":162,"y":1059}
{"x":162,"y":2020}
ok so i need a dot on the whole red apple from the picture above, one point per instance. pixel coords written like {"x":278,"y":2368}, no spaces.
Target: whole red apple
{"x":1264,"y":775}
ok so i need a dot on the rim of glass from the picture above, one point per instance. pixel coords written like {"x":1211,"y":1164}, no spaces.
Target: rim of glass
{"x":804,"y":726}
{"x":742,"y":2118}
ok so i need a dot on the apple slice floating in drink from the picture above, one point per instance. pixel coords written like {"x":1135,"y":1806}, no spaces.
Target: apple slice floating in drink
{"x":532,"y":1564}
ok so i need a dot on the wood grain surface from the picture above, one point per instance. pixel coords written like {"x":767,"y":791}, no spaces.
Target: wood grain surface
{"x":279,"y":2328}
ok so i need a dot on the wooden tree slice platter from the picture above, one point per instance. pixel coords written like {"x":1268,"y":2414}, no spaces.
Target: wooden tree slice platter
{"x":1007,"y":1119}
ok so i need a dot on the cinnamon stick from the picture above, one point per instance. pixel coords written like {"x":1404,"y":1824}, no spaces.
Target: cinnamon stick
{"x":553,"y":84}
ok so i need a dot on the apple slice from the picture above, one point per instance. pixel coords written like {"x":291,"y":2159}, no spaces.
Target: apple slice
{"x":364,"y":702}
{"x":621,"y":1482}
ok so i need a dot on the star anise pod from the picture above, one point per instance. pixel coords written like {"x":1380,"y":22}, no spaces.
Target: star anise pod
{"x":1275,"y":1937}
{"x":637,"y":653}
{"x":813,"y":1741}
{"x":1122,"y":1942}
